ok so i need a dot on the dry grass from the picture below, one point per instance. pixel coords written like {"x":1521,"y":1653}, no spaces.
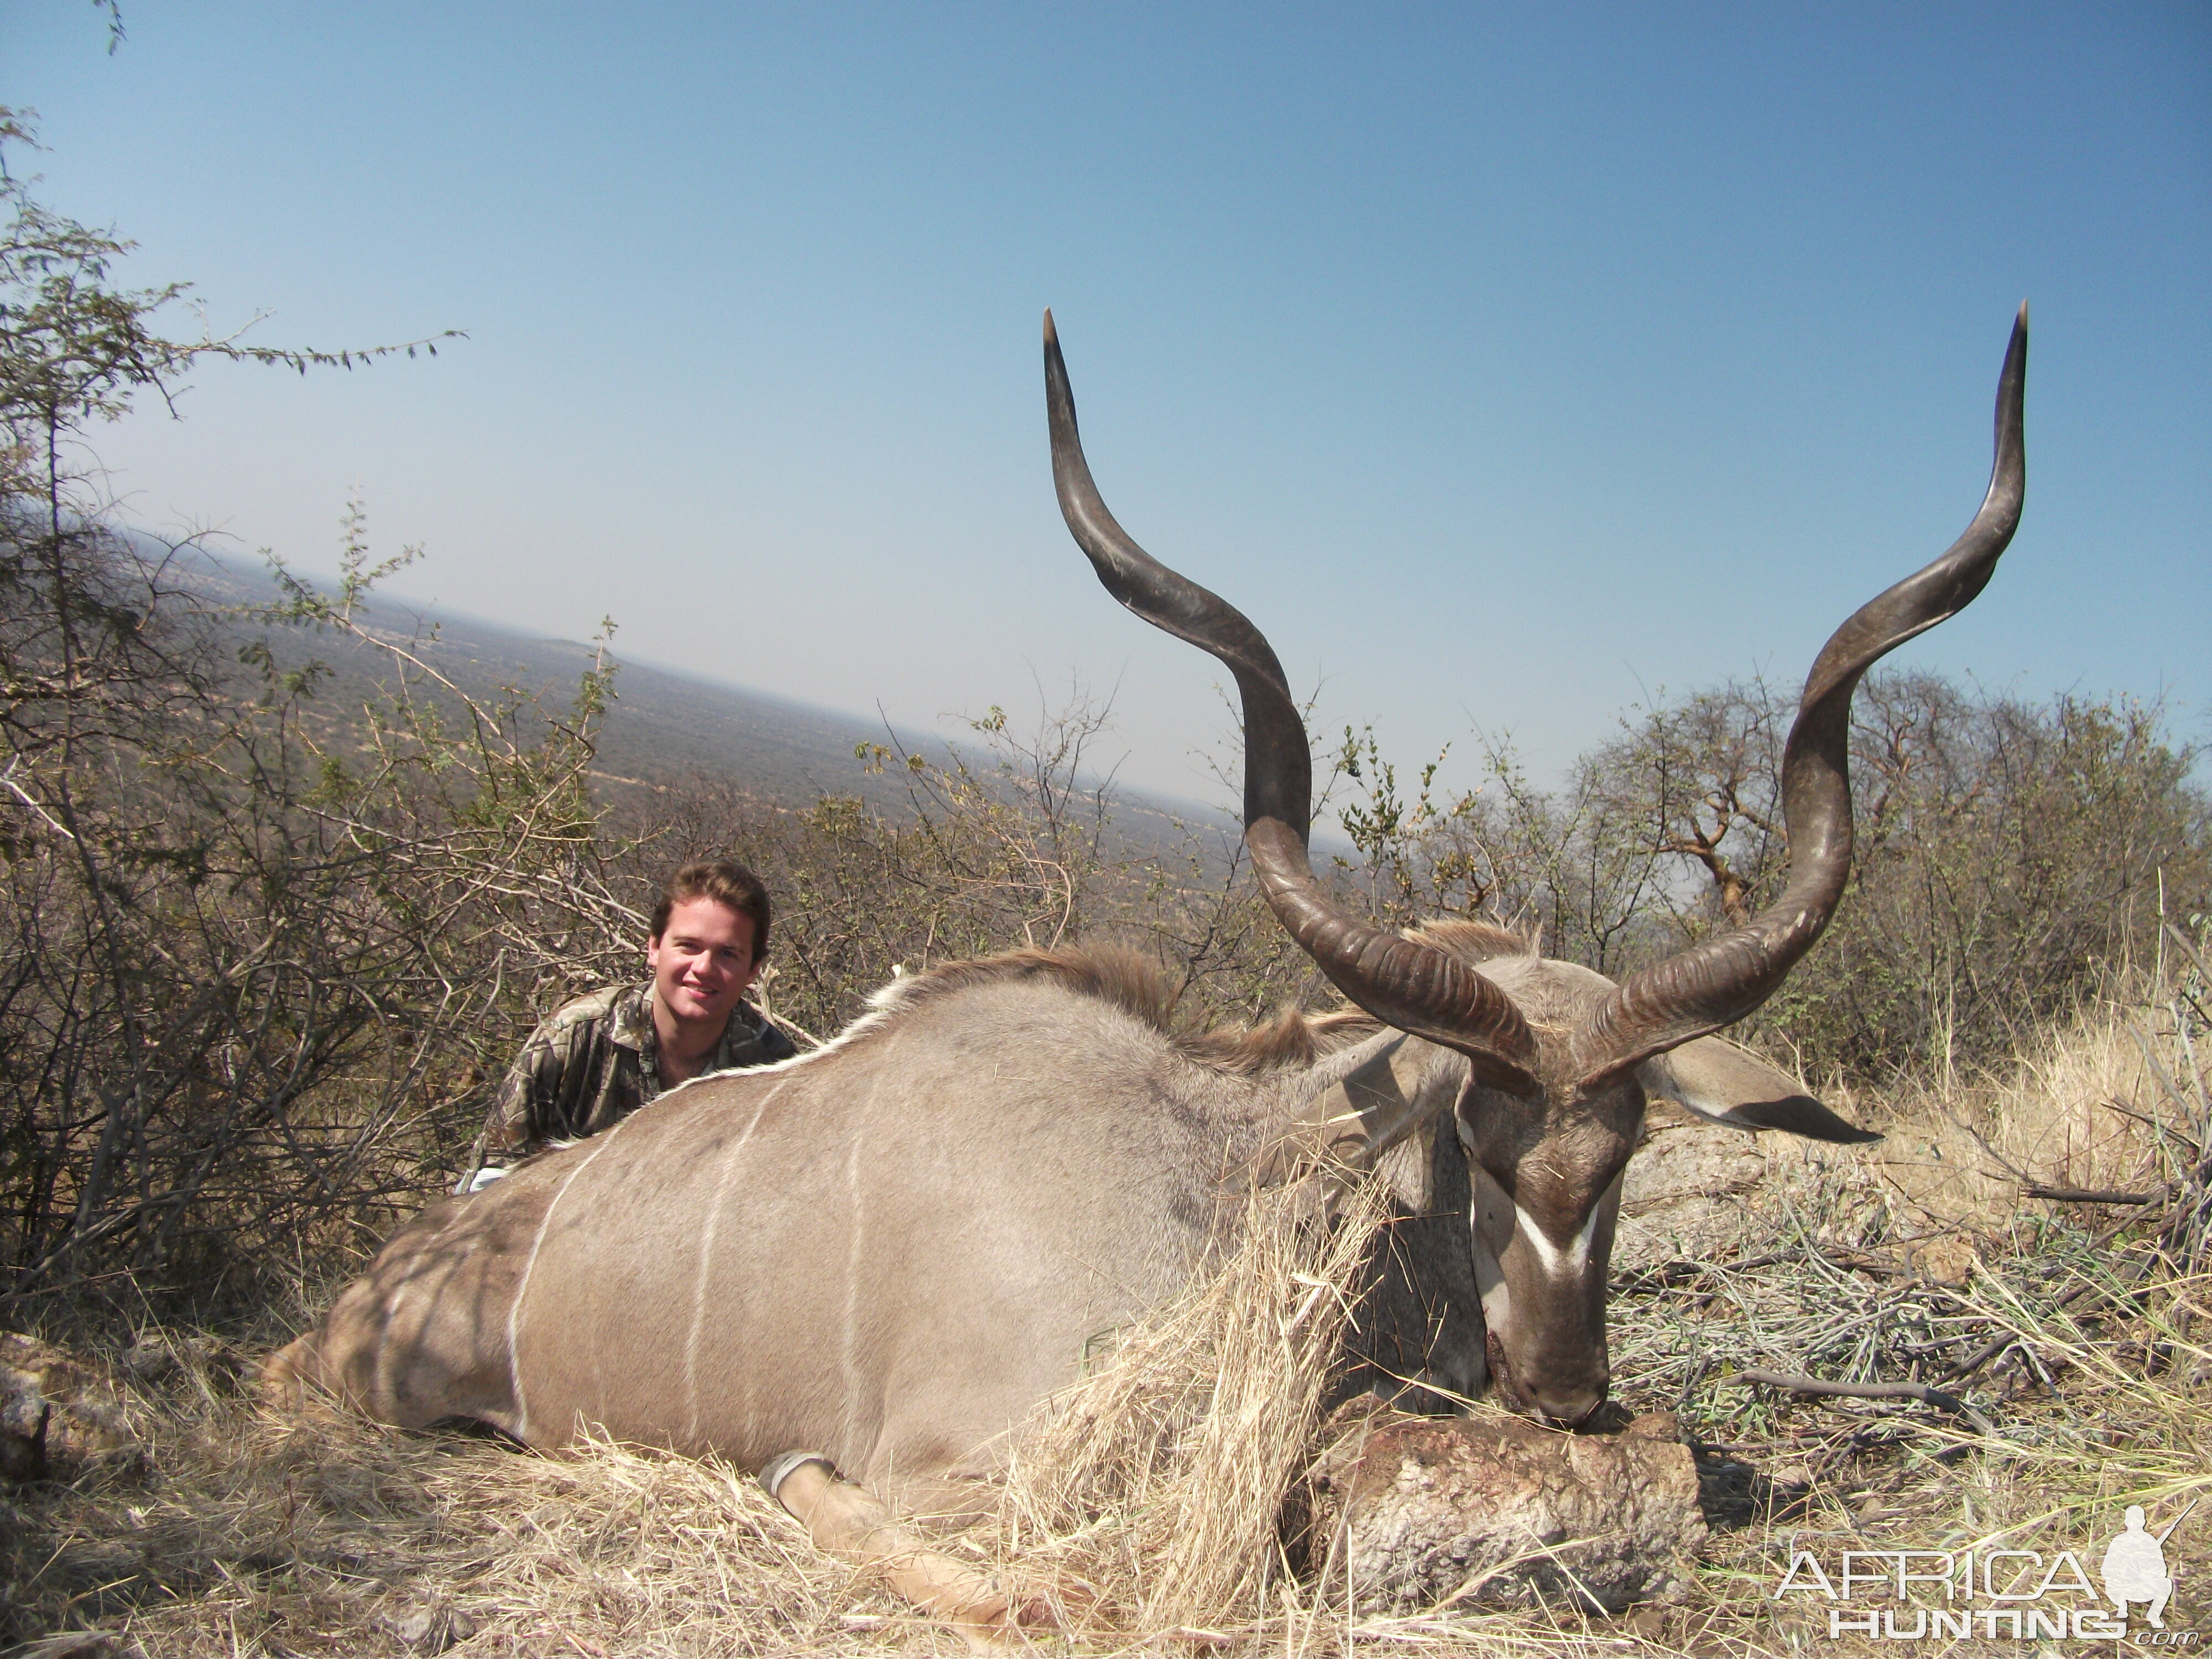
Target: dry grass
{"x":255,"y":1534}
{"x":1146,"y":1498}
{"x":1152,"y":1487}
{"x":2077,"y":1107}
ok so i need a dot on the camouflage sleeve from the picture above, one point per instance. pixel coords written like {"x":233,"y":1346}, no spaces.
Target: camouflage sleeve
{"x":754,"y":1040}
{"x":521,"y":1117}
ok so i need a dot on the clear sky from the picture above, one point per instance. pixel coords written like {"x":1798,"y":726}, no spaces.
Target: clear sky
{"x":1505,"y":364}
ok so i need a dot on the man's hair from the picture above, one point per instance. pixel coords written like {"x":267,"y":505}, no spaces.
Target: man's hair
{"x":727,"y":882}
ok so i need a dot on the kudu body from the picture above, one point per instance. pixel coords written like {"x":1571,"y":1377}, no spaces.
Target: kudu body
{"x":889,"y":1250}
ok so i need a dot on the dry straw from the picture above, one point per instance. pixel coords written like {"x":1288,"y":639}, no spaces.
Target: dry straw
{"x":1153,"y":1486}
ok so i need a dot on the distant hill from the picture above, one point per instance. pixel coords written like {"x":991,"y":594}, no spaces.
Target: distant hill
{"x":663,"y":726}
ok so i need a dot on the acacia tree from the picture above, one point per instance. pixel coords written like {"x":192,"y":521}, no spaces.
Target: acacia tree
{"x":2009,"y":857}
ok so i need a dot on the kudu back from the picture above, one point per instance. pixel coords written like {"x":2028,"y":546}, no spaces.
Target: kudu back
{"x":890,"y":1250}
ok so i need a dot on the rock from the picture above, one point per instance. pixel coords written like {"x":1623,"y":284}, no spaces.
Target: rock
{"x":23,"y":1451}
{"x":428,"y":1626}
{"x":1684,"y":1197}
{"x":163,"y":1357}
{"x":1499,"y":1510}
{"x":81,"y":1418}
{"x":149,"y":1361}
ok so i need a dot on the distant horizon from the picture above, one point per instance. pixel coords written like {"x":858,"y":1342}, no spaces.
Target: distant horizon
{"x":383,"y":595}
{"x":2201,"y":770}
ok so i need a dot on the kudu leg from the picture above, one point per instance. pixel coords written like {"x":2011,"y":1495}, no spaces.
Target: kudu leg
{"x":848,"y":1521}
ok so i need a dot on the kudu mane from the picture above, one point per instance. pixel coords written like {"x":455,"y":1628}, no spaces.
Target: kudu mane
{"x":1124,"y":979}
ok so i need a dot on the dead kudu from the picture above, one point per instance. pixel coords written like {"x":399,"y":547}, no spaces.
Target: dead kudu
{"x":887,"y":1252}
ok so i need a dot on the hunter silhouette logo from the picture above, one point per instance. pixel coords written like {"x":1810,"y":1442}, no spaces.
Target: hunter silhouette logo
{"x":1923,"y":1595}
{"x":2134,"y":1568}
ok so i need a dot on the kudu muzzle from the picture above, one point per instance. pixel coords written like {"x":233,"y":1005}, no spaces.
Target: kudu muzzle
{"x":1543,"y":1292}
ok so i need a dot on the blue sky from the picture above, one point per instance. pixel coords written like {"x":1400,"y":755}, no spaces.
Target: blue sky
{"x":1505,"y":364}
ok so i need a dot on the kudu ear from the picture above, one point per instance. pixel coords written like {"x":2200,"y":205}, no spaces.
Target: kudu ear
{"x":1723,"y":1083}
{"x":1360,"y":1110}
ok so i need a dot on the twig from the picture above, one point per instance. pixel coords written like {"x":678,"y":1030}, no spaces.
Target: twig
{"x":1919,"y":1391}
{"x":2092,"y":1195}
{"x":2162,"y":1537}
{"x":2161,"y":1127}
{"x":1859,"y":1261}
{"x":24,"y":795}
{"x":2011,"y":1168}
{"x":1988,"y":1351}
{"x":1673,"y":1274}
{"x":2158,"y":1070}
{"x":2181,"y":1024}
{"x":2189,"y":947}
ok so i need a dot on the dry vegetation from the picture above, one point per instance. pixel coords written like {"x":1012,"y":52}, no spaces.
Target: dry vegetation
{"x":1146,"y":1500}
{"x":259,"y":970}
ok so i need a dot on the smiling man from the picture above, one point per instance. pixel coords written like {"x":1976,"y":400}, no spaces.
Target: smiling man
{"x":602,"y":1056}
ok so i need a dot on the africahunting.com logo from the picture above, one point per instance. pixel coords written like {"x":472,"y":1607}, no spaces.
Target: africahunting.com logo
{"x":1943,"y":1595}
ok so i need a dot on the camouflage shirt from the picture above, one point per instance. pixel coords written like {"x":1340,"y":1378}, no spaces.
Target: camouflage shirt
{"x":596,"y":1060}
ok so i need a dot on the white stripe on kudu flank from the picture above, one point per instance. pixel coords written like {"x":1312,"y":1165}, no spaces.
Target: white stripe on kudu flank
{"x":707,"y":1254}
{"x":522,"y":1284}
{"x":851,"y":1363}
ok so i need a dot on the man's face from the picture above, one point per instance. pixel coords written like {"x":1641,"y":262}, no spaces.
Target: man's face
{"x":702,"y":962}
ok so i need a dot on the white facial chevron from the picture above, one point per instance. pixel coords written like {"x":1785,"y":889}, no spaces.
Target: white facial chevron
{"x":1575,"y":1255}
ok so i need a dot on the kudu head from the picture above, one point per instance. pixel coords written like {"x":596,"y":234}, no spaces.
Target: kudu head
{"x":1559,"y":1060}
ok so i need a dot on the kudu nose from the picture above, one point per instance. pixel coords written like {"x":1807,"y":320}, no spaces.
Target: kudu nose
{"x":1573,"y":1408}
